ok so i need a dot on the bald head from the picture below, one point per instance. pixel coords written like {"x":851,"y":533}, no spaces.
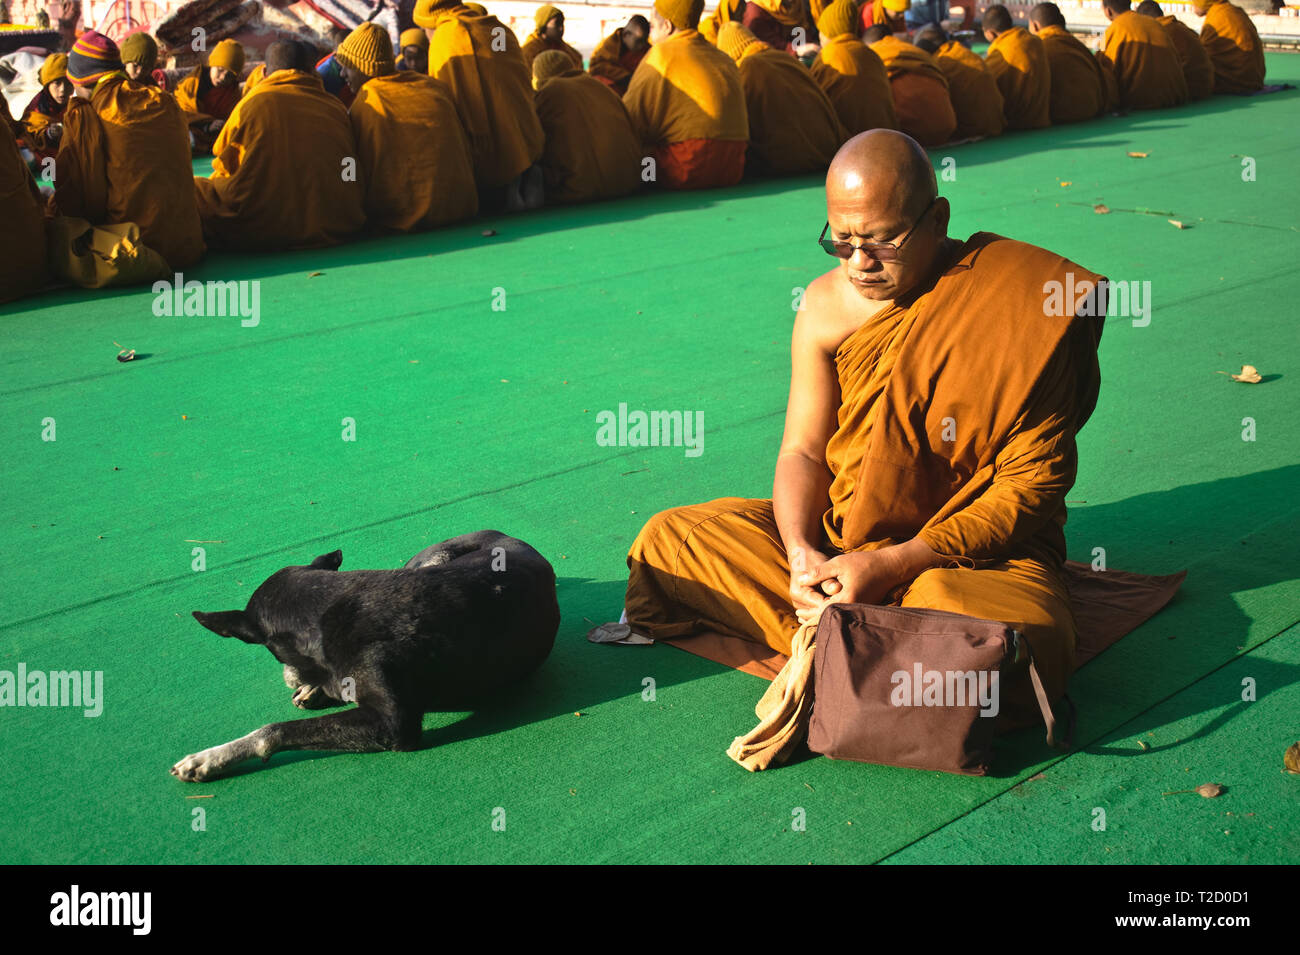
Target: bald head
{"x":1149,"y":8}
{"x":875,"y":33}
{"x":996,"y":20}
{"x":1114,"y":8}
{"x":887,"y":166}
{"x":287,"y":55}
{"x":1047,"y":15}
{"x":930,"y":38}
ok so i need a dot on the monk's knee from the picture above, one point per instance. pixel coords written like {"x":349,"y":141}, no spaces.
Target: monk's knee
{"x":935,"y":589}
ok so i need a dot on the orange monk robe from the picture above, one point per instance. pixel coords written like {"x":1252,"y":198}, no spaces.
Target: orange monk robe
{"x":22,"y":238}
{"x":1230,"y":39}
{"x":1018,"y":61}
{"x":592,"y":151}
{"x":726,"y":12}
{"x":1145,"y":63}
{"x":976,"y":99}
{"x":125,"y":157}
{"x":857,"y":83}
{"x":920,"y":91}
{"x":537,"y":44}
{"x":688,"y":109}
{"x":280,"y":170}
{"x":255,"y":77}
{"x":204,"y":103}
{"x":775,"y":22}
{"x":1197,"y":68}
{"x":993,"y":502}
{"x":493,"y":89}
{"x":613,"y":65}
{"x":793,"y":128}
{"x":41,"y":113}
{"x":1078,"y":86}
{"x":418,"y":172}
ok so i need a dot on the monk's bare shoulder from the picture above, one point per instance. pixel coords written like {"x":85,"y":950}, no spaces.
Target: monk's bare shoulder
{"x":832,"y":311}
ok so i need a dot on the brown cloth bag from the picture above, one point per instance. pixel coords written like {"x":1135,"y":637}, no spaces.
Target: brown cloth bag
{"x":102,"y":256}
{"x":918,"y":688}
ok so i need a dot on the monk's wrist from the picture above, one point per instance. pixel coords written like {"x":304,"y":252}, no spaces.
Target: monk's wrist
{"x":912,"y":559}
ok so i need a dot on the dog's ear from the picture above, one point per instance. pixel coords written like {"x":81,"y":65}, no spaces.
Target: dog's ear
{"x":330,"y":561}
{"x":230,"y":623}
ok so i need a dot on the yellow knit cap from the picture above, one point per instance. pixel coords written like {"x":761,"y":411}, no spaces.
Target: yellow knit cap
{"x":368,"y":50}
{"x":898,"y":6}
{"x":54,"y":67}
{"x":683,"y":14}
{"x":545,"y":13}
{"x":429,"y":13}
{"x":477,"y":8}
{"x":550,"y":64}
{"x":734,"y":40}
{"x":413,"y":37}
{"x":140,"y":48}
{"x":228,"y":54}
{"x":839,"y":18}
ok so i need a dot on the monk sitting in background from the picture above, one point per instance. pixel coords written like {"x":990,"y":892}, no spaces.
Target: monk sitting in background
{"x":140,"y":59}
{"x":976,"y":99}
{"x":1144,"y":59}
{"x":775,"y":22}
{"x":549,"y":35}
{"x":209,"y":93}
{"x":1232,"y":42}
{"x":125,"y":155}
{"x":1018,"y":62}
{"x":410,"y":141}
{"x":493,"y":91}
{"x":22,"y":239}
{"x":851,"y":73}
{"x":727,"y":11}
{"x":592,"y":151}
{"x":43,"y":117}
{"x":889,"y":14}
{"x":1197,"y":68}
{"x":687,"y":104}
{"x":793,"y":128}
{"x":415,"y":51}
{"x":284,"y":169}
{"x":619,"y":54}
{"x":919,"y":87}
{"x":876,"y":499}
{"x":1078,"y":86}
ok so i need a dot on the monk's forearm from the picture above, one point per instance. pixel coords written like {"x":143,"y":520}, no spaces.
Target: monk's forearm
{"x":800,"y":496}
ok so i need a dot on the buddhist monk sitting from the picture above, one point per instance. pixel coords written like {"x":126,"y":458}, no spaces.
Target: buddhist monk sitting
{"x":284,"y":169}
{"x":549,"y":35}
{"x":619,"y":54}
{"x":125,"y":155}
{"x":775,"y":22}
{"x":976,"y":99}
{"x":1197,"y":68}
{"x":415,"y":51}
{"x":687,"y":104}
{"x":726,"y":12}
{"x":140,"y":59}
{"x":1143,"y":57}
{"x":1232,"y":42}
{"x":890,"y":14}
{"x":793,"y":128}
{"x":1018,"y":62}
{"x":592,"y":151}
{"x":43,"y":117}
{"x":1078,"y":86}
{"x":410,"y":141}
{"x":919,"y":86}
{"x":210,"y":92}
{"x":493,"y":91}
{"x":851,"y":73}
{"x":23,"y":263}
{"x":929,"y":439}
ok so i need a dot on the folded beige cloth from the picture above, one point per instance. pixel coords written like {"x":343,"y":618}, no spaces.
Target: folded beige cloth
{"x":783,"y":711}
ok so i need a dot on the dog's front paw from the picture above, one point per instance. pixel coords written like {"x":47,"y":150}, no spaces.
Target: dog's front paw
{"x":308,"y":697}
{"x":198,"y":767}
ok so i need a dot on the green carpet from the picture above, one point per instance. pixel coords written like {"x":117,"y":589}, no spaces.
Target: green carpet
{"x":468,"y":417}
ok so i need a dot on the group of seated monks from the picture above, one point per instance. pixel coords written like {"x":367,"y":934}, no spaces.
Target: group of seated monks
{"x":462,"y":118}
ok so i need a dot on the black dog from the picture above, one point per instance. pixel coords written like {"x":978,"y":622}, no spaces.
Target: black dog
{"x":461,"y":620}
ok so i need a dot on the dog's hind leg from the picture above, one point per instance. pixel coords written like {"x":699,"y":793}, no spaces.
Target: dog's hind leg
{"x":360,"y":730}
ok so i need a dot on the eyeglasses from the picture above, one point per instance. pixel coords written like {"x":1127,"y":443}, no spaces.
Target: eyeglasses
{"x":880,"y":251}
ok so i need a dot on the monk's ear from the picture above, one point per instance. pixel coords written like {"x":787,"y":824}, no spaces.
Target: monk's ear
{"x":330,"y":561}
{"x":230,"y":623}
{"x":942,"y":215}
